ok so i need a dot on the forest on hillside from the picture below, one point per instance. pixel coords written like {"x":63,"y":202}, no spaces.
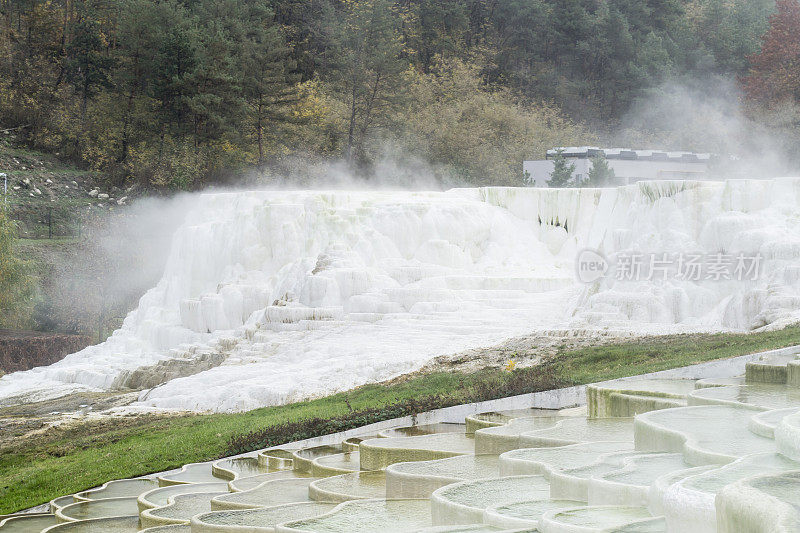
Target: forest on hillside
{"x":177,"y":94}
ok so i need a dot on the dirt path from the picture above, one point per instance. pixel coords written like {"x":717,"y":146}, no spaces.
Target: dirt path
{"x":525,"y":351}
{"x":33,"y":420}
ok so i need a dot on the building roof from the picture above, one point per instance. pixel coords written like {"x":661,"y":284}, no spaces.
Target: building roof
{"x":629,"y":154}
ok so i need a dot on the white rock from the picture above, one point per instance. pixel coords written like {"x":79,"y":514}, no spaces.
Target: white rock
{"x":37,"y":191}
{"x":373,"y":284}
{"x":75,"y":183}
{"x":93,"y":193}
{"x":122,"y":200}
{"x":48,"y":181}
{"x":102,"y":196}
{"x":16,"y":187}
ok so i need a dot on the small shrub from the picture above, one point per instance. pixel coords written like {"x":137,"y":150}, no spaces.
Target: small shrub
{"x":521,"y":381}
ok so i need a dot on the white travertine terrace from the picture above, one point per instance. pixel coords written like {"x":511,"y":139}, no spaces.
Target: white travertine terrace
{"x":267,"y":494}
{"x":466,"y":501}
{"x":274,"y":296}
{"x":787,"y":434}
{"x":345,"y":487}
{"x":162,"y":496}
{"x":719,"y":467}
{"x":179,"y":511}
{"x":419,"y":479}
{"x":103,"y":508}
{"x":258,"y":519}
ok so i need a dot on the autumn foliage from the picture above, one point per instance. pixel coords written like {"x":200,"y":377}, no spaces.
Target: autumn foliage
{"x":774,"y":74}
{"x":177,"y":94}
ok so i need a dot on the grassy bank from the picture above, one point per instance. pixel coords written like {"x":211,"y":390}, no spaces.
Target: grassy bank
{"x":66,"y":460}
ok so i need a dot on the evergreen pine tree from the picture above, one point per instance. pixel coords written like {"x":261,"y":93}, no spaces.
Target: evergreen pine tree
{"x":601,"y":174}
{"x":367,"y":44}
{"x":268,"y":83}
{"x":87,"y":66}
{"x":143,"y":28}
{"x":563,"y":170}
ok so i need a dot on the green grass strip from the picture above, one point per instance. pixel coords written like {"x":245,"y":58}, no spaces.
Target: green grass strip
{"x":70,"y":459}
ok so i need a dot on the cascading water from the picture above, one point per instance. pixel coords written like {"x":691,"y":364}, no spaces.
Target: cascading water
{"x":297,"y":294}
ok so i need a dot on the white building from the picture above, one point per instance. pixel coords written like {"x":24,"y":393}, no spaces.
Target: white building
{"x":628,"y":165}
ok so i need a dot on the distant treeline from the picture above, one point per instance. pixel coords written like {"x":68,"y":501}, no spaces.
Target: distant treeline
{"x":177,"y":93}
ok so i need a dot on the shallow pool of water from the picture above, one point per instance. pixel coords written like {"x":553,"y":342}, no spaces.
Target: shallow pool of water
{"x":185,"y":506}
{"x":340,"y":461}
{"x":27,"y":524}
{"x":651,"y":387}
{"x":317,"y":451}
{"x":714,"y":429}
{"x":369,"y":516}
{"x":120,"y":489}
{"x":462,"y":467}
{"x":101,"y":509}
{"x":577,"y":430}
{"x":759,"y":395}
{"x":351,"y":486}
{"x":448,"y":442}
{"x":266,"y":495}
{"x":242,"y":466}
{"x":193,"y":473}
{"x":526,"y":513}
{"x":544,"y":460}
{"x":159,"y":497}
{"x":265,"y":517}
{"x":643,"y":470}
{"x":485,"y":493}
{"x":128,"y":524}
{"x":601,"y":517}
{"x":784,"y":487}
{"x":251,"y":482}
{"x":713,"y":481}
{"x":423,"y":429}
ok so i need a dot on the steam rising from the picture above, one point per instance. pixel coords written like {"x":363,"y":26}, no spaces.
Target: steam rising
{"x":710,"y":115}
